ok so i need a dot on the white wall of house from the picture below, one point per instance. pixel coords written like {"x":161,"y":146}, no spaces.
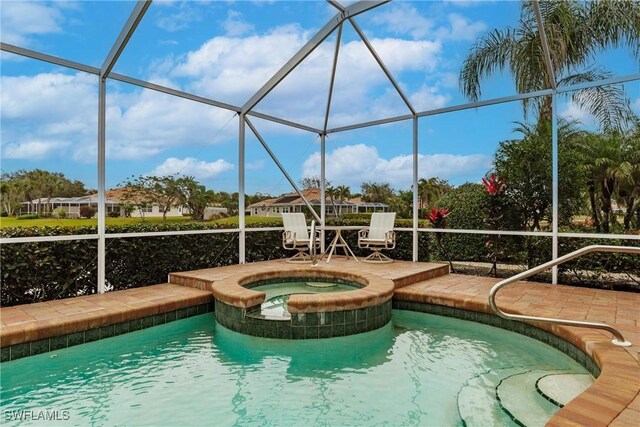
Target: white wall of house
{"x":154,"y":211}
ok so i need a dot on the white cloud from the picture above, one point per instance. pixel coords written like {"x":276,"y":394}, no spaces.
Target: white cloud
{"x":21,"y":20}
{"x":179,"y":16}
{"x":52,"y":107}
{"x":429,"y":98}
{"x":462,"y":29}
{"x":34,"y":149}
{"x":234,"y":25}
{"x":233,"y":68}
{"x":572,"y":111}
{"x":636,"y":105}
{"x":354,"y":164}
{"x":199,"y":169}
{"x":404,"y":19}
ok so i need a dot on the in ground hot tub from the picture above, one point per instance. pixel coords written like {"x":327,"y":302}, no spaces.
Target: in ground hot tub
{"x":303,"y":303}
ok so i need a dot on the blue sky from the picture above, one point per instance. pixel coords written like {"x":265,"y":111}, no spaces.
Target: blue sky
{"x":226,"y":51}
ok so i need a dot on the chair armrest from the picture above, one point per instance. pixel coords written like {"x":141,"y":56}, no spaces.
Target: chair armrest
{"x":288,"y":239}
{"x":362,"y":234}
{"x":391,"y":239}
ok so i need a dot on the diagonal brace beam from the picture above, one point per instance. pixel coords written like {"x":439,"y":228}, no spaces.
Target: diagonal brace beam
{"x":123,"y":38}
{"x":545,"y":46}
{"x":282,"y":169}
{"x":310,"y":46}
{"x":381,"y":64}
{"x":333,"y":79}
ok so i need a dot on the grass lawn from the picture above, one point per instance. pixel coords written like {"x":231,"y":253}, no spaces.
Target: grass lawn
{"x":6,"y":222}
{"x":249,"y":220}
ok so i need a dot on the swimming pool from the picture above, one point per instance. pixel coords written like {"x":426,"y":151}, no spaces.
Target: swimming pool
{"x":418,"y":369}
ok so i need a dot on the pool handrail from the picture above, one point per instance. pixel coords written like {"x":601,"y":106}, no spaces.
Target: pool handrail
{"x":619,"y":339}
{"x":312,"y":244}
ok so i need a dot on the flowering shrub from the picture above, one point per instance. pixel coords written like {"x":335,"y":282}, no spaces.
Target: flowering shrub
{"x":494,"y":185}
{"x":437,"y":217}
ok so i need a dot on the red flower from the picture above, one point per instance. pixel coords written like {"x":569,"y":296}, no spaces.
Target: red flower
{"x":436,"y":217}
{"x":494,"y":185}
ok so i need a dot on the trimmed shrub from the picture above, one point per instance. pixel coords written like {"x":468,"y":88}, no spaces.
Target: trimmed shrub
{"x":28,"y":216}
{"x":87,"y":212}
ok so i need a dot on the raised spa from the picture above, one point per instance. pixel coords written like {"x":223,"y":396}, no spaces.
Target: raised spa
{"x":303,"y":304}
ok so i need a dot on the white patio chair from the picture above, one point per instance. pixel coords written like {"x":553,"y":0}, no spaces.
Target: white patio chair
{"x":296,"y":236}
{"x":378,"y":236}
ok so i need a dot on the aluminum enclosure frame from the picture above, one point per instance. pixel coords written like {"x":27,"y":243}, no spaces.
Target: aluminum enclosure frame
{"x":344,"y":13}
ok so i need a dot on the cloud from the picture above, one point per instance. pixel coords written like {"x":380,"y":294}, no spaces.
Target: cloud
{"x":462,"y":29}
{"x":20,"y":20}
{"x":234,"y":25}
{"x":34,"y":149}
{"x":234,"y":68}
{"x":52,"y":107}
{"x":404,"y":19}
{"x":354,"y":164}
{"x":179,"y":16}
{"x":636,"y":105}
{"x":429,"y":98}
{"x":572,"y":111}
{"x":199,"y":169}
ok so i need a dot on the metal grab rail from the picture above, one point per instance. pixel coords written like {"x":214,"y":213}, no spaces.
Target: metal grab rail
{"x":312,"y":244}
{"x":619,"y":340}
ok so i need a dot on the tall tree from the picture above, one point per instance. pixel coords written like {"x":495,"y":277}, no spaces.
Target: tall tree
{"x":194,"y":196}
{"x":343,"y":192}
{"x":576,"y":31}
{"x":312,"y":182}
{"x":430,"y":190}
{"x":380,"y":192}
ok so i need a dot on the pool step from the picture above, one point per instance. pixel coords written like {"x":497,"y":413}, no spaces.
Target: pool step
{"x":518,"y":397}
{"x":562,"y":388}
{"x":477,"y":403}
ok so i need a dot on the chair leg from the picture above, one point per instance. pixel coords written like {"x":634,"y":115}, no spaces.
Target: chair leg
{"x":301,"y":257}
{"x":377,"y":257}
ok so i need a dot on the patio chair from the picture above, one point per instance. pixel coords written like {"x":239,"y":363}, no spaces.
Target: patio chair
{"x":296,"y":236}
{"x":378,"y":236}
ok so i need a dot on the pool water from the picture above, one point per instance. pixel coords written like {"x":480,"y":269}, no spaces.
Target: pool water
{"x":277,"y":295}
{"x":195,"y":372}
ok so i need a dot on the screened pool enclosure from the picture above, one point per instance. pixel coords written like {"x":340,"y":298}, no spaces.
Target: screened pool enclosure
{"x":281,"y":116}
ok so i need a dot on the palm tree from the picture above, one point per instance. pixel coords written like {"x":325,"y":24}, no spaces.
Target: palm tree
{"x":431,"y":190}
{"x":610,"y":161}
{"x":576,"y":31}
{"x":343,"y":192}
{"x":331,"y":193}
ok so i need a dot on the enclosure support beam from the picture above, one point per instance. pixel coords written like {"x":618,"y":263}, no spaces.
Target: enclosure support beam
{"x":310,"y":46}
{"x":123,"y":38}
{"x":102,"y":113}
{"x":551,"y":79}
{"x":282,"y":169}
{"x":241,"y":207}
{"x":384,"y":68}
{"x":332,"y":80}
{"x":323,"y":185}
{"x":415,"y":189}
{"x":554,"y":185}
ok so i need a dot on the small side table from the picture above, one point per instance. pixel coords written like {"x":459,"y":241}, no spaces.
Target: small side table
{"x":339,"y":242}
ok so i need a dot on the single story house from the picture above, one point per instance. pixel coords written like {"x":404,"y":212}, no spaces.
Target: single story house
{"x":292,"y":202}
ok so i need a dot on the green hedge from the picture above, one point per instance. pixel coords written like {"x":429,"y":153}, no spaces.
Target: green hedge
{"x":44,"y":271}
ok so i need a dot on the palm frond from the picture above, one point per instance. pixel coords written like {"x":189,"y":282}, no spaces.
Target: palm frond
{"x":492,"y":52}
